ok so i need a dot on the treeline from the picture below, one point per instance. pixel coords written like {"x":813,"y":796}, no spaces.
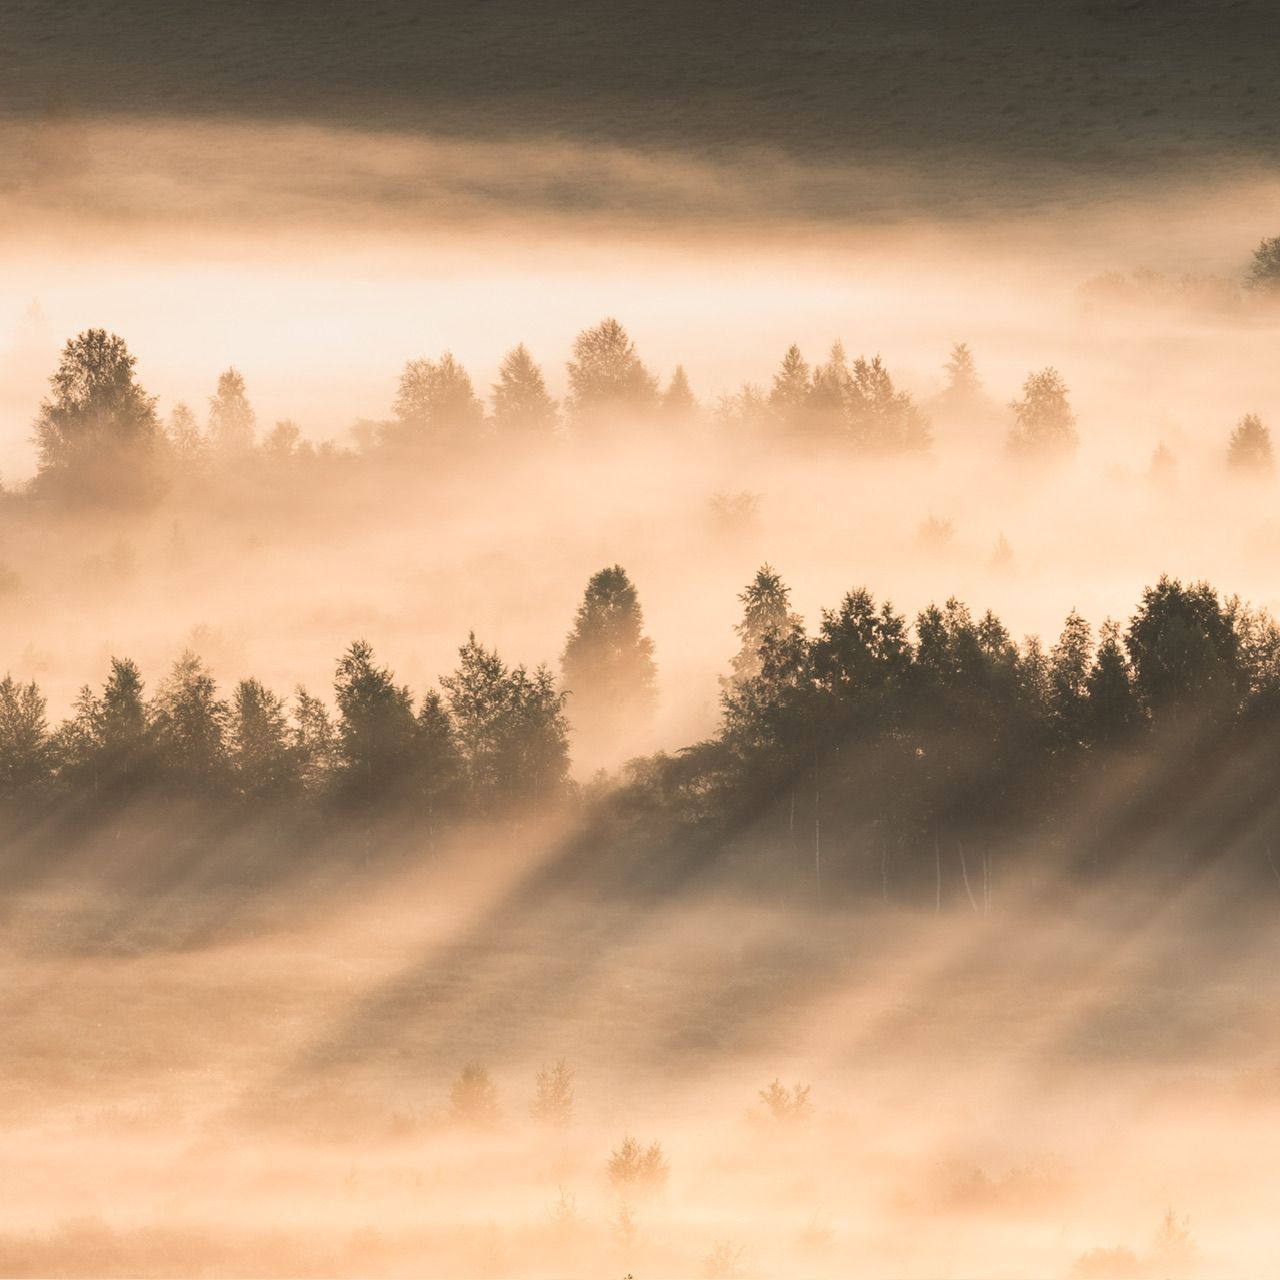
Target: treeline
{"x":490,"y":740}
{"x":101,"y":439}
{"x":893,"y":757}
{"x":867,"y":753}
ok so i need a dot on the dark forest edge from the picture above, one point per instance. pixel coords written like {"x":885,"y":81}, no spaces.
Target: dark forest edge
{"x":862,"y":758}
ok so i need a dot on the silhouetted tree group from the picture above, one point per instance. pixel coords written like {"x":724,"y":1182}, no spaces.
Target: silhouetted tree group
{"x":492,"y":740}
{"x":876,"y":748}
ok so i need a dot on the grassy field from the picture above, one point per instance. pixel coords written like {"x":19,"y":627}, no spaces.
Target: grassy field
{"x":262,"y":1084}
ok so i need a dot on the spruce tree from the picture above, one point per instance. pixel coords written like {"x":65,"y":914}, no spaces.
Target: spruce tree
{"x":607,"y":662}
{"x":1249,"y":450}
{"x":523,"y":411}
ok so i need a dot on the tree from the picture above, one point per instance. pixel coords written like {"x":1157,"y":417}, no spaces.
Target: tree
{"x":1249,"y":450}
{"x":315,"y":742}
{"x":1070,"y":662}
{"x":264,"y":762}
{"x":963,"y":392}
{"x":882,"y":419}
{"x":765,"y":613}
{"x":637,"y":1168}
{"x":1185,"y":653}
{"x":606,"y":377}
{"x":97,"y":432}
{"x":1163,"y":467}
{"x":186,"y":442}
{"x":1264,"y":271}
{"x":510,"y":729}
{"x":232,"y":421}
{"x":678,"y":402}
{"x":436,"y":406}
{"x":607,"y":662}
{"x":106,"y":745}
{"x":189,"y":722}
{"x":26,"y":757}
{"x":789,"y":395}
{"x":1044,"y":425}
{"x":473,"y":1099}
{"x":376,"y":728}
{"x":522,"y":408}
{"x":553,"y":1095}
{"x":438,"y":763}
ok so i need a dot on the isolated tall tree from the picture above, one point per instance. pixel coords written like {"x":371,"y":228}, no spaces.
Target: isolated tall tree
{"x":376,"y":728}
{"x":1044,"y":425}
{"x":1249,"y":450}
{"x":436,"y":405}
{"x":1264,"y":271}
{"x":25,"y":748}
{"x":232,"y":421}
{"x":963,"y":392}
{"x":607,"y":378}
{"x":189,"y":723}
{"x":522,"y":408}
{"x":97,"y":432}
{"x":607,"y":663}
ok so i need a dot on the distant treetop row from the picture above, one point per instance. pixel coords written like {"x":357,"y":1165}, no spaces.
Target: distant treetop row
{"x":100,"y":437}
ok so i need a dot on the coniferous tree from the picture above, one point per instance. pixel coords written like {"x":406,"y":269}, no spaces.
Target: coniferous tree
{"x":607,"y":662}
{"x":827,"y":405}
{"x":789,"y":395}
{"x":97,"y":432}
{"x":438,"y":761}
{"x":963,"y":392}
{"x":678,"y":402}
{"x":232,"y":421}
{"x":1044,"y":425}
{"x":1113,"y":710}
{"x":607,"y":378}
{"x":1163,"y":467}
{"x":1070,"y":662}
{"x":26,"y":752}
{"x":189,"y":726}
{"x":1249,"y":450}
{"x":523,"y":411}
{"x":376,"y":728}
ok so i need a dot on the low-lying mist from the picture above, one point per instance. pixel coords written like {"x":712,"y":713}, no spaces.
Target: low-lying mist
{"x":868,"y":937}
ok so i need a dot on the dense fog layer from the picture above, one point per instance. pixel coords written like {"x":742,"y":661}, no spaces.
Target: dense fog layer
{"x":247,"y":1041}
